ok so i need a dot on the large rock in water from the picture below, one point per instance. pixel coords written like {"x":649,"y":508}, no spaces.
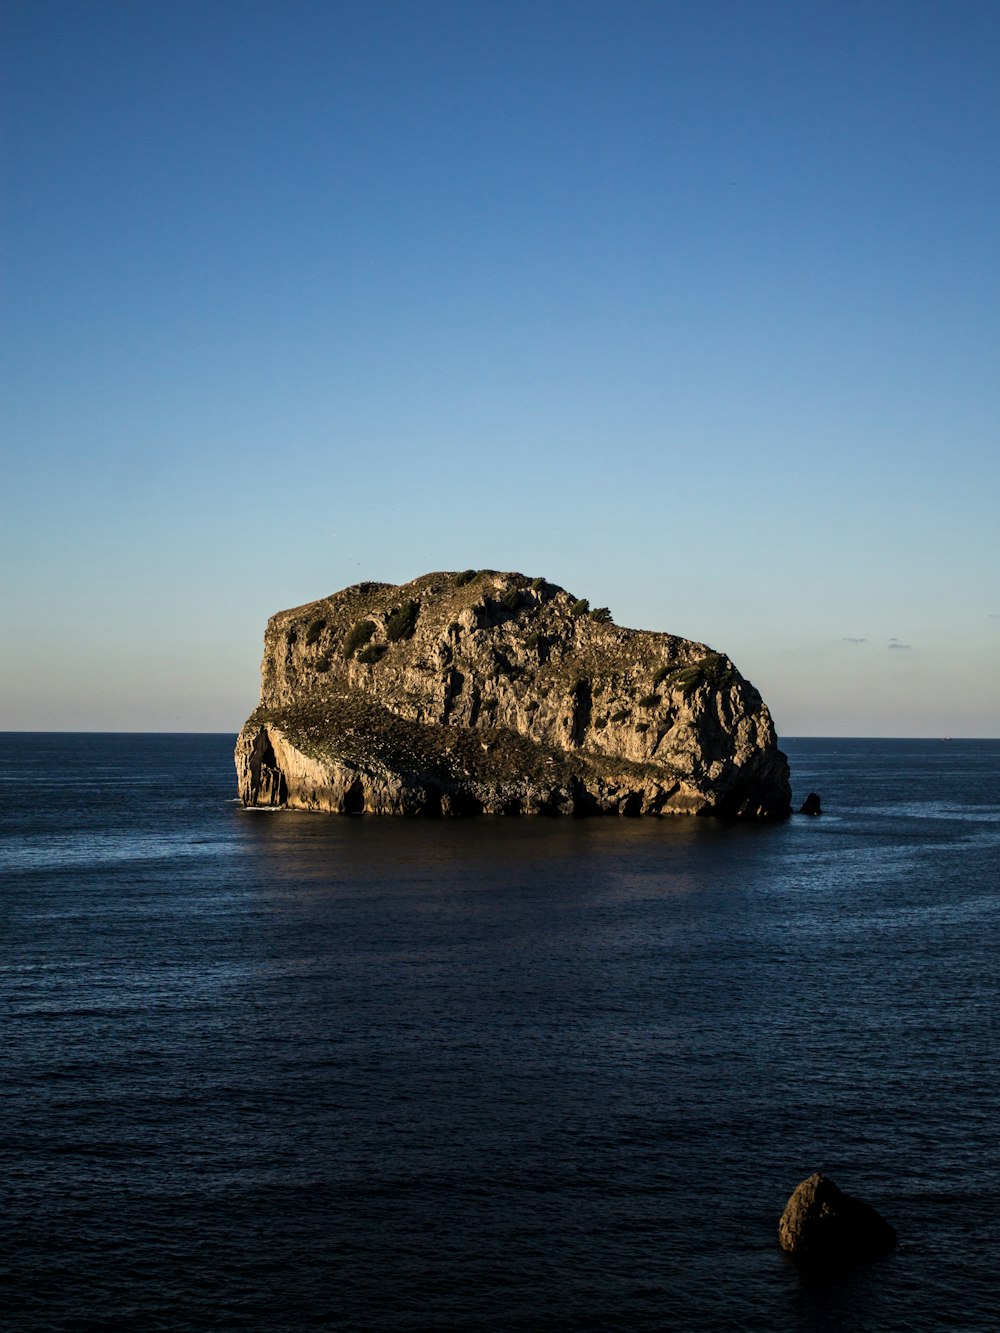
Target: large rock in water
{"x":487,"y":692}
{"x":822,"y":1225}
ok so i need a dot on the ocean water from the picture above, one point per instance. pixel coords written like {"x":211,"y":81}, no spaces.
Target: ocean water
{"x":284,"y":1071}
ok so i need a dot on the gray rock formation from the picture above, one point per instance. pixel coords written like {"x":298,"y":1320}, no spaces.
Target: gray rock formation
{"x":822,"y":1225}
{"x":491,"y":693}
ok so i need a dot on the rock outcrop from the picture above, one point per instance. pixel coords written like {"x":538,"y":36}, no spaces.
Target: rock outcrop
{"x":493,"y":693}
{"x":823,"y":1226}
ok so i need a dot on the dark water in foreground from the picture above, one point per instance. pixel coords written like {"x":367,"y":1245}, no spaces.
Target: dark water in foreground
{"x":280,"y":1071}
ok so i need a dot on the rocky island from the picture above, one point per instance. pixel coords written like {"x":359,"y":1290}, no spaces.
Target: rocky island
{"x":491,"y":693}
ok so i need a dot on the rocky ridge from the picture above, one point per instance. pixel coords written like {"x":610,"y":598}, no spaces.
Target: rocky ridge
{"x":487,"y":692}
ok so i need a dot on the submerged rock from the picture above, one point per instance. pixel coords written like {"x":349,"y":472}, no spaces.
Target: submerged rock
{"x":485,"y":692}
{"x":822,"y":1225}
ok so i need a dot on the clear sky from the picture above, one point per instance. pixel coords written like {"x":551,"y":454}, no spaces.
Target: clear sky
{"x":690,"y":306}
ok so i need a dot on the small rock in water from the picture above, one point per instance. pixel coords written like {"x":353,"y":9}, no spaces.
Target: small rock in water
{"x":823,"y":1226}
{"x":810,"y":806}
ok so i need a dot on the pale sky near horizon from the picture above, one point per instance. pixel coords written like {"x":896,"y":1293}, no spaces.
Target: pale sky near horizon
{"x":690,"y":307}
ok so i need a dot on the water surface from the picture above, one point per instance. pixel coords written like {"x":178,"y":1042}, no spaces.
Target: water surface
{"x":290,"y":1071}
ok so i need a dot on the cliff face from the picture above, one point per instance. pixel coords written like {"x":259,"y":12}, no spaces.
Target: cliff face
{"x":492,"y":693}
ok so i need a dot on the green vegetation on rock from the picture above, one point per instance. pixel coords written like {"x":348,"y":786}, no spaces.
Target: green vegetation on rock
{"x":358,"y":635}
{"x":402,"y":622}
{"x":372,"y":653}
{"x":714,"y":670}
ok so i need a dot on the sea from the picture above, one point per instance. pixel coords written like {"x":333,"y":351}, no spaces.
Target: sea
{"x":283,"y":1071}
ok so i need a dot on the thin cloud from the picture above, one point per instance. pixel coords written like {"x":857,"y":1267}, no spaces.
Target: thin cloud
{"x":847,"y":639}
{"x":894,"y":643}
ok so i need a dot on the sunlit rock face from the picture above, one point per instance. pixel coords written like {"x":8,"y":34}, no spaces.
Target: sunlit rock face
{"x":485,"y":692}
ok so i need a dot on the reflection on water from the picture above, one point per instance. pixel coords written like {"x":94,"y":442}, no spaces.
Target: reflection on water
{"x":484,"y":854}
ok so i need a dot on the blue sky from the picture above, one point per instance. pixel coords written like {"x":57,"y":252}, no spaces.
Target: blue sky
{"x":689,"y":307}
